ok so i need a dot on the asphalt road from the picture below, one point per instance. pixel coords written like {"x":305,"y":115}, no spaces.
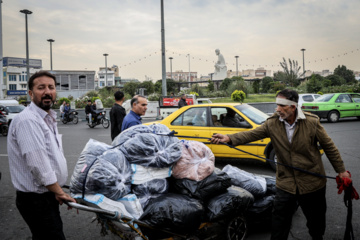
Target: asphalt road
{"x":345,"y":134}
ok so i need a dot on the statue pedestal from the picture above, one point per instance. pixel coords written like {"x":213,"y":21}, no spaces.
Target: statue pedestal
{"x":220,"y":75}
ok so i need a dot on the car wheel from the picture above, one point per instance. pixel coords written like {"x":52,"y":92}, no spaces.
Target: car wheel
{"x":105,"y":122}
{"x":273,"y":157}
{"x":4,"y":131}
{"x":333,"y":116}
{"x":75,"y":120}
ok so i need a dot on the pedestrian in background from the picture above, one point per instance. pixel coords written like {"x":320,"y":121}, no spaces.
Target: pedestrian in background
{"x":138,"y":108}
{"x":37,"y":164}
{"x":117,"y":114}
{"x":182,"y":101}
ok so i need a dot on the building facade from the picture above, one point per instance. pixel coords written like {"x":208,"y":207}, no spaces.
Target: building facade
{"x":180,"y":75}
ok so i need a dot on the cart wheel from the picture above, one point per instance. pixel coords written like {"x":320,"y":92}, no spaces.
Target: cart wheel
{"x":237,"y":229}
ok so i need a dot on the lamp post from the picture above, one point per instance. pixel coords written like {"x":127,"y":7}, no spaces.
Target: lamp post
{"x":1,"y":55}
{"x":303,"y":50}
{"x":105,"y":54}
{"x":26,"y":12}
{"x":51,"y":41}
{"x":237,"y":72}
{"x":163,"y":57}
{"x":171,"y":58}
{"x":189,"y":70}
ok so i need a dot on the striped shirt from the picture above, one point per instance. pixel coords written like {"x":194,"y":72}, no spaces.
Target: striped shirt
{"x":36,"y":157}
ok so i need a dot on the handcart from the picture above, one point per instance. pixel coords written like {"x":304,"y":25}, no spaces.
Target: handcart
{"x":231,"y":229}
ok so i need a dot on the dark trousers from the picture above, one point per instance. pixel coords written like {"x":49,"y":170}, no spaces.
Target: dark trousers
{"x":42,"y":215}
{"x":313,"y":206}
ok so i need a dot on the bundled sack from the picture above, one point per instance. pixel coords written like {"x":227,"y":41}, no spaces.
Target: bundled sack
{"x":196,"y":163}
{"x":270,"y":185}
{"x":174,"y":212}
{"x":142,"y":174}
{"x":150,"y":189}
{"x":132,"y":205}
{"x":104,"y":170}
{"x":262,"y":204}
{"x":151,"y":150}
{"x":228,"y":204}
{"x":218,"y":182}
{"x":256,"y":185}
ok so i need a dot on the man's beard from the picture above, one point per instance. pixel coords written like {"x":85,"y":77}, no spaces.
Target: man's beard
{"x":45,"y":107}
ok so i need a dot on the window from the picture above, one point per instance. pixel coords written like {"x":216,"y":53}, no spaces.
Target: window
{"x":356,"y":98}
{"x":194,"y":116}
{"x":102,"y":83}
{"x":12,"y":86}
{"x":308,"y":98}
{"x":227,"y":117}
{"x":12,"y":78}
{"x":23,"y":85}
{"x":343,"y":98}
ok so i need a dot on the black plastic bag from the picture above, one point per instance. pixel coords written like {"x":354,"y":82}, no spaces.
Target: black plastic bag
{"x":235,"y":201}
{"x":270,"y":185}
{"x":262,"y":204}
{"x":149,"y":190}
{"x":174,"y":212}
{"x":211,"y":186}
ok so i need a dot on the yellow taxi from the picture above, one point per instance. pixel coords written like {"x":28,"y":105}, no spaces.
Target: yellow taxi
{"x":204,"y":120}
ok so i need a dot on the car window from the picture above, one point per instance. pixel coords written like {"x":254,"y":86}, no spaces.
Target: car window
{"x":325,"y":98}
{"x":343,"y":98}
{"x":227,"y":117}
{"x":252,"y":113}
{"x":15,"y":109}
{"x":356,"y":98}
{"x":317,"y":96}
{"x":308,"y":98}
{"x":192,"y":117}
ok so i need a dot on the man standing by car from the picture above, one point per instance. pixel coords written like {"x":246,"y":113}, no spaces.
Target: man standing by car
{"x":294,"y":136}
{"x":117,"y":114}
{"x":36,"y":159}
{"x":138,"y":108}
{"x":182,"y":101}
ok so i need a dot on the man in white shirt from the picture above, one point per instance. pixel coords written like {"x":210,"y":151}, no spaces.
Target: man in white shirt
{"x":37,"y":164}
{"x":62,"y":109}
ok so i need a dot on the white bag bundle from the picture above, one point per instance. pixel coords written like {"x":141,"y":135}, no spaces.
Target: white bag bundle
{"x":141,"y":174}
{"x":132,"y":205}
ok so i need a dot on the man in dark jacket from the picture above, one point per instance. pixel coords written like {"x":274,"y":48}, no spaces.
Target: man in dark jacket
{"x":182,"y":101}
{"x":294,"y":136}
{"x":89,"y":110}
{"x":117,"y":114}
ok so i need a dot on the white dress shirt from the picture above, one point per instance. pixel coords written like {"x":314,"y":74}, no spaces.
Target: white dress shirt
{"x":36,"y":157}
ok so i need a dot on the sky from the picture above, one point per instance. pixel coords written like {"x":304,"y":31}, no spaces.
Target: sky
{"x":260,"y":32}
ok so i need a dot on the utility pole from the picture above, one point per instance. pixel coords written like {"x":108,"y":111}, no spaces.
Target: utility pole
{"x":105,"y":54}
{"x":171,"y":58}
{"x":303,"y":50}
{"x":26,"y":12}
{"x":1,"y":56}
{"x":163,"y":61}
{"x":237,"y":72}
{"x":189,"y":71}
{"x":51,"y":41}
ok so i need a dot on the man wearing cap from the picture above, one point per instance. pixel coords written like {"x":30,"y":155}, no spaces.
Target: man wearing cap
{"x":294,"y":136}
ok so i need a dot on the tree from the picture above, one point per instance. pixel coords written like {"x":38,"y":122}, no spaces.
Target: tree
{"x":130,"y":88}
{"x":211,"y":86}
{"x":267,"y":84}
{"x":149,"y":87}
{"x":238,"y":96}
{"x":345,"y":73}
{"x":291,"y":72}
{"x":256,"y":86}
{"x":335,"y":80}
{"x":314,"y":84}
{"x":170,"y":86}
{"x":225,"y":84}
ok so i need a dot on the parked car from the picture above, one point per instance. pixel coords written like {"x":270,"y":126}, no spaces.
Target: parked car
{"x":307,"y":97}
{"x":11,"y":108}
{"x":334,"y":106}
{"x":207,"y":119}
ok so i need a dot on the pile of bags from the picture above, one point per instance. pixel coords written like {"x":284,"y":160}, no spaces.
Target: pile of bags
{"x":169,"y":184}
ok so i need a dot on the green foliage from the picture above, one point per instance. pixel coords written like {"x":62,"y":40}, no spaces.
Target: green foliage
{"x":320,"y":93}
{"x":94,"y":98}
{"x":194,"y":93}
{"x":171,"y":86}
{"x":211,"y":86}
{"x":196,"y":88}
{"x":70,"y":97}
{"x":291,"y":72}
{"x":130,"y":88}
{"x":256,"y":86}
{"x":267,"y":84}
{"x":345,"y":73}
{"x":217,"y":94}
{"x":335,"y":80}
{"x":108,"y":102}
{"x":92,"y":93}
{"x":225,"y":84}
{"x":315,"y":83}
{"x":154,"y":97}
{"x":279,"y":86}
{"x":238,"y":84}
{"x":149,"y":87}
{"x":127,"y":96}
{"x":61,"y":100}
{"x":277,"y":92}
{"x":238,"y":96}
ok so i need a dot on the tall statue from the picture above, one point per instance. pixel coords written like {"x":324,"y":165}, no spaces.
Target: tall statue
{"x":220,"y":67}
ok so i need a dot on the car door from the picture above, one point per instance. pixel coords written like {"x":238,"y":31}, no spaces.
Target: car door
{"x":193,"y":122}
{"x":356,"y":99}
{"x":218,"y":115}
{"x":345,"y":105}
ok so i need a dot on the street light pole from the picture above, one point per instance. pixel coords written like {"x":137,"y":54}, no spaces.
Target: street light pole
{"x":105,"y":54}
{"x":163,"y":58}
{"x":237,"y":72}
{"x":26,"y":12}
{"x":303,"y":50}
{"x":171,"y":58}
{"x":1,"y":56}
{"x":51,"y":41}
{"x":189,"y":70}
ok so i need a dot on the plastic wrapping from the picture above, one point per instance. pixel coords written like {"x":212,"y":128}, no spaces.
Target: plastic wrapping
{"x":213,"y":185}
{"x":262,"y":204}
{"x":231,"y":203}
{"x":256,"y":185}
{"x":130,"y":133}
{"x":150,"y":189}
{"x":151,"y":150}
{"x":132,"y":205}
{"x":174,"y":212}
{"x":142,"y":174}
{"x":196,"y":163}
{"x":270,"y":185}
{"x":106,"y":171}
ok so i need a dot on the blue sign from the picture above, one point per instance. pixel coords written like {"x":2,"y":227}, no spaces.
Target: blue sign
{"x":16,"y":92}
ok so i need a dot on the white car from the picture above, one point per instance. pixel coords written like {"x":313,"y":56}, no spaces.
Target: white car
{"x":10,"y":108}
{"x":307,"y":97}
